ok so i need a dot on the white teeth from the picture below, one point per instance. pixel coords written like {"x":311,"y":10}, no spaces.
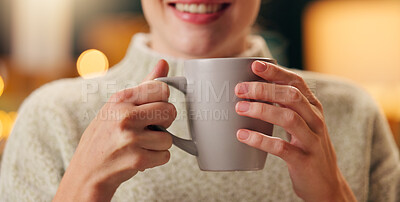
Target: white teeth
{"x":201,"y":8}
{"x":198,"y":8}
{"x":193,"y":8}
{"x":186,"y":7}
{"x":179,"y":7}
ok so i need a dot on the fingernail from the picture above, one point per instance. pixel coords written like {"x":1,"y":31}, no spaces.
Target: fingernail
{"x":243,"y":88}
{"x":243,"y":135}
{"x":243,"y":106}
{"x":259,"y":66}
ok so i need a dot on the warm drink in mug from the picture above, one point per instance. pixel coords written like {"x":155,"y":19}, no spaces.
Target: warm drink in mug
{"x":209,"y":86}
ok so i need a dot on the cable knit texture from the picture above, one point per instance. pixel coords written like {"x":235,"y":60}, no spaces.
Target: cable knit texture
{"x":52,"y":120}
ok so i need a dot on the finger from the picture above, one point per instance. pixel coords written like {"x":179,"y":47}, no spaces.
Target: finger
{"x":274,"y":73}
{"x":145,"y":159}
{"x":147,"y":92}
{"x":160,"y":70}
{"x":155,"y":113}
{"x":284,"y":95}
{"x":272,"y":145}
{"x":284,"y":117}
{"x":154,"y":140}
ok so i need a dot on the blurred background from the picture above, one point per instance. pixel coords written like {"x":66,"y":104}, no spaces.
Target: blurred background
{"x":40,"y":41}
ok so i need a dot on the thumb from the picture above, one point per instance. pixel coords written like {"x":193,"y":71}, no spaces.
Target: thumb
{"x":160,"y":70}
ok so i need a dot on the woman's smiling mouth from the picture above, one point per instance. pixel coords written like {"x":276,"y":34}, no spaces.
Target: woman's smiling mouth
{"x":198,"y":13}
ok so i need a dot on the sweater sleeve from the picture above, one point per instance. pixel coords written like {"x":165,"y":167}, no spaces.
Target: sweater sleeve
{"x":385,"y":164}
{"x":32,"y":164}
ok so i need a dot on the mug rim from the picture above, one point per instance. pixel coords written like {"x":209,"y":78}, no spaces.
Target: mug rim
{"x":270,"y":60}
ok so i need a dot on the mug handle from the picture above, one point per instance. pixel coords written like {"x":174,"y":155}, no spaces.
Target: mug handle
{"x":188,"y":146}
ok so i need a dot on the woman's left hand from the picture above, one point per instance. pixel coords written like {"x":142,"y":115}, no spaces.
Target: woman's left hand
{"x":309,"y":155}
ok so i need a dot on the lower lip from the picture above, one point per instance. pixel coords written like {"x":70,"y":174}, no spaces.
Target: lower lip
{"x":197,"y":18}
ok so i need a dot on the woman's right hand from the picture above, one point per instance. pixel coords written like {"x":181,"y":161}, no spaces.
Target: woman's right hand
{"x":117,"y":144}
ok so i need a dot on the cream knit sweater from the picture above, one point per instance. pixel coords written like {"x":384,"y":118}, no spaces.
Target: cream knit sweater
{"x":52,"y":119}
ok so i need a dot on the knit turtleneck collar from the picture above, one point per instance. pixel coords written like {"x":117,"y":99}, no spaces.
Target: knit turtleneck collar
{"x":142,"y":55}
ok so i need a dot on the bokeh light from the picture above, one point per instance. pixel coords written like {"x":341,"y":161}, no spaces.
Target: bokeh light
{"x":1,"y":86}
{"x":92,"y":63}
{"x":6,"y":123}
{"x":1,"y":130}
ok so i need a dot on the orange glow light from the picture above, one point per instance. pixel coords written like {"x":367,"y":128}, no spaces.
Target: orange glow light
{"x":1,"y":130}
{"x":6,"y":123}
{"x":1,"y":86}
{"x":92,"y":63}
{"x":360,"y":41}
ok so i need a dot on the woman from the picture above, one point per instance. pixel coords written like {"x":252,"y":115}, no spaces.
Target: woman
{"x":80,"y":140}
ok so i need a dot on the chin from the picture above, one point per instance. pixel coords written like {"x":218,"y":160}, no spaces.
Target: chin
{"x":201,"y":46}
{"x":200,"y":51}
